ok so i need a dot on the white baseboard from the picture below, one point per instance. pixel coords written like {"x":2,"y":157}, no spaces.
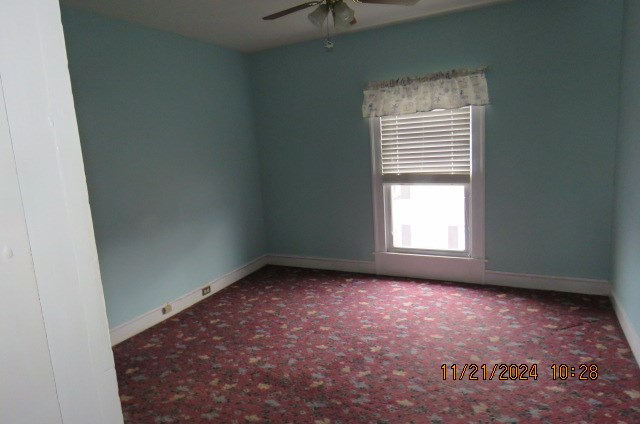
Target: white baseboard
{"x":155,"y":316}
{"x":367,"y":267}
{"x":499,"y":278}
{"x":508,"y":279}
{"x":632,"y":334}
{"x":548,"y":282}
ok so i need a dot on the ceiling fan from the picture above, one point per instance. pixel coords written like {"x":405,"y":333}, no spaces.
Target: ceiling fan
{"x":343,"y":15}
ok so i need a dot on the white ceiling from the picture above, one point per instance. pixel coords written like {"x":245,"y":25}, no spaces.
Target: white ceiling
{"x":238,"y":24}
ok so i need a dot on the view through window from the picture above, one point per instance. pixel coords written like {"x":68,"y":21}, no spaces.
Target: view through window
{"x":428,"y":216}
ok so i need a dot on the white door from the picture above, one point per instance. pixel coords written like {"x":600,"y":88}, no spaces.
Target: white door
{"x":27,"y":386}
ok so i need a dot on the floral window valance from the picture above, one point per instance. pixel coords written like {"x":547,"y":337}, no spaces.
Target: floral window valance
{"x":443,"y":90}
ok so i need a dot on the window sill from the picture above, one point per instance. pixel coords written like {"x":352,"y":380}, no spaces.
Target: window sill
{"x":451,"y":268}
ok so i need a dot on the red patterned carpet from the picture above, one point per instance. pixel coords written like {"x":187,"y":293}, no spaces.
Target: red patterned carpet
{"x":288,"y":345}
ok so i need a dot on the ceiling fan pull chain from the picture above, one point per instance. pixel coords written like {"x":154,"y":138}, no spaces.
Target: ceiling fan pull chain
{"x":328,"y":44}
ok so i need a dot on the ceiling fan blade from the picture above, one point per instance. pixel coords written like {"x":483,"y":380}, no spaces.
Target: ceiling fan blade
{"x":396,"y":2}
{"x":292,"y":9}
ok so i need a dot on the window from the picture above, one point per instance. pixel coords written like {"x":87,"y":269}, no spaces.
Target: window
{"x":429,"y":185}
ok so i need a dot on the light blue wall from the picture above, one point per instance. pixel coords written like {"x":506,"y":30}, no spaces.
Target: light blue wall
{"x":170,"y":153}
{"x":550,"y":139}
{"x":626,"y":230}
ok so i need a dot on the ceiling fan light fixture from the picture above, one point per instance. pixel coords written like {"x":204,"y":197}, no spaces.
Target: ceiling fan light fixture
{"x":343,"y":15}
{"x":318,"y":16}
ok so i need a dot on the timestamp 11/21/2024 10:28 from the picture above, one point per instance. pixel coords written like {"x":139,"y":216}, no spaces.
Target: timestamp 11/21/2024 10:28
{"x":583,"y":372}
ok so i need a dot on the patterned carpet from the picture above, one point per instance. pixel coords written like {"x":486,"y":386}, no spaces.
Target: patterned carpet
{"x":288,"y":345}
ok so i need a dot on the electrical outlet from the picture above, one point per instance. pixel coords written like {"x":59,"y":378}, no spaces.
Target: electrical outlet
{"x":166,"y":309}
{"x":206,"y":290}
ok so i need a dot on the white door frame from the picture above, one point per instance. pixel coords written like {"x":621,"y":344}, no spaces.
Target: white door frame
{"x":50,"y":171}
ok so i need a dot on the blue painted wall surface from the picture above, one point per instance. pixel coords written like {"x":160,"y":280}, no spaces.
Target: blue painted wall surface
{"x":626,"y":230}
{"x":550,"y":138}
{"x":171,"y":159}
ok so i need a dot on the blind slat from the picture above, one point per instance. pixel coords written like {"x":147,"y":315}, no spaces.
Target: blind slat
{"x":428,"y":128}
{"x":422,"y":122}
{"x":459,"y":154}
{"x":426,"y":135}
{"x":454,"y":166}
{"x":425,"y":122}
{"x":423,"y":140}
{"x":426,"y":157}
{"x":429,"y":144}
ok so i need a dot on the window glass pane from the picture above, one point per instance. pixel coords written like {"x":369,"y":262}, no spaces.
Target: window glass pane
{"x":428,"y":216}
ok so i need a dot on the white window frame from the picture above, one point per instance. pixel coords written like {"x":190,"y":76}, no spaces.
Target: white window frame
{"x":465,"y":266}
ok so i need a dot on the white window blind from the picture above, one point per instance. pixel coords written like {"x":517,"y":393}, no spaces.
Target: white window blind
{"x":426,"y":147}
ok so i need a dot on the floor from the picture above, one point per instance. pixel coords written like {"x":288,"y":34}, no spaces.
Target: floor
{"x":291,"y":345}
